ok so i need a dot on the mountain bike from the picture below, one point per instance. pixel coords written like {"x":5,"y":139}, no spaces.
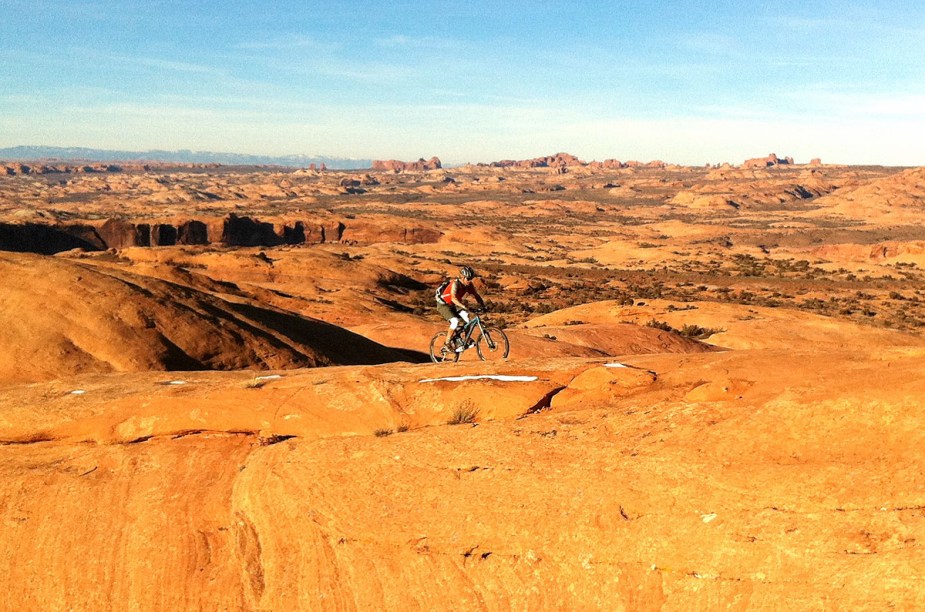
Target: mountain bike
{"x":490,"y":342}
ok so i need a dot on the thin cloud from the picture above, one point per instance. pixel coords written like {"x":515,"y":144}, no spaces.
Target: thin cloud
{"x":709,"y":43}
{"x":422,"y":42}
{"x":792,"y":22}
{"x":144,"y":61}
{"x":364,"y":72}
{"x":847,"y":103}
{"x":288,"y":43}
{"x":173,"y":66}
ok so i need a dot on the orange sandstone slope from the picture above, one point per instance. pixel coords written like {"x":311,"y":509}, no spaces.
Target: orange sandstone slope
{"x":735,"y":326}
{"x":60,"y":317}
{"x":752,"y":479}
{"x":891,"y":199}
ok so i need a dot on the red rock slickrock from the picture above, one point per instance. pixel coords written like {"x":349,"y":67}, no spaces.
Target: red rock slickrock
{"x":216,"y":393}
{"x":662,"y":481}
{"x":97,"y":319}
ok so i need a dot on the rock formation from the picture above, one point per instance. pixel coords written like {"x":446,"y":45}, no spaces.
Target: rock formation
{"x":98,"y":319}
{"x":57,"y":168}
{"x":232,"y":230}
{"x":393,"y":165}
{"x":550,"y":161}
{"x":765,"y":162}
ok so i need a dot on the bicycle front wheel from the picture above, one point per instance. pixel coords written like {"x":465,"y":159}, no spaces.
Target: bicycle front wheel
{"x":438,"y":352}
{"x":493,"y":344}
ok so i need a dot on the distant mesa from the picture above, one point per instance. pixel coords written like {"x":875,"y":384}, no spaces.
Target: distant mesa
{"x":766,"y":162}
{"x":394,"y":165}
{"x":550,"y":161}
{"x":19,"y":168}
{"x":561,"y":162}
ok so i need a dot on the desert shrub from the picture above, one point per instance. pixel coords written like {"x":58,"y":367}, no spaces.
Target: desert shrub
{"x":814,"y":304}
{"x":689,"y":330}
{"x":256,"y":383}
{"x":698,"y":333}
{"x":745,"y":297}
{"x":466,"y":412}
{"x":662,"y":325}
{"x":381,"y":433}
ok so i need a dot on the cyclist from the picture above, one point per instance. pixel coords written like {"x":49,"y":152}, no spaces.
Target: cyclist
{"x":450,"y":301}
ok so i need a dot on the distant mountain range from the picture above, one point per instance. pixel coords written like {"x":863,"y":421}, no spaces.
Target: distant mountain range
{"x":31,"y":153}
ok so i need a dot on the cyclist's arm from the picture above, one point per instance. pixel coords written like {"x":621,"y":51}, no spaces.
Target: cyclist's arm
{"x":454,"y":296}
{"x":478,"y":297}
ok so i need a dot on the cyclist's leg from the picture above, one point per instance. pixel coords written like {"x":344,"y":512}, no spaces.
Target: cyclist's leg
{"x":448,"y":311}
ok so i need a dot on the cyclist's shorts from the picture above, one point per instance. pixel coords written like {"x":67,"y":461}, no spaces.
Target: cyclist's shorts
{"x":447,"y":311}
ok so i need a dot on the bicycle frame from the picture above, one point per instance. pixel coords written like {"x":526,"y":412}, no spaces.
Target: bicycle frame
{"x":465,"y":333}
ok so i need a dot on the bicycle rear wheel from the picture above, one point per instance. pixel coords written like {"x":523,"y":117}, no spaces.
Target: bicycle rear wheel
{"x":493,"y":345}
{"x":438,"y":352}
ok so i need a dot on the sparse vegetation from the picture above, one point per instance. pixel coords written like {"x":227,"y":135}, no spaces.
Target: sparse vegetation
{"x":466,"y":412}
{"x":255,"y":383}
{"x":692,"y":331}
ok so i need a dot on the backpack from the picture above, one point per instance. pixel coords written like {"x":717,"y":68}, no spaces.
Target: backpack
{"x":441,"y":289}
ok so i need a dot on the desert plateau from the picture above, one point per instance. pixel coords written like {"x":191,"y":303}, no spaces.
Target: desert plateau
{"x":216,"y":391}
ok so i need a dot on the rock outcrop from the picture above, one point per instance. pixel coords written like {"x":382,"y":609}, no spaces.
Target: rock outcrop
{"x":765,"y":162}
{"x":421,"y":165}
{"x":550,"y":161}
{"x":49,"y":239}
{"x":232,"y":230}
{"x":561,"y":162}
{"x":61,"y":317}
{"x":12,"y":169}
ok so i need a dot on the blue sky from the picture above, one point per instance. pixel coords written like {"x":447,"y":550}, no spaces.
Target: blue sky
{"x":681,"y":81}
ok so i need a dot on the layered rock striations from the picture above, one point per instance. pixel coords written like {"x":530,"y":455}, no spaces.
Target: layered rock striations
{"x":232,"y":230}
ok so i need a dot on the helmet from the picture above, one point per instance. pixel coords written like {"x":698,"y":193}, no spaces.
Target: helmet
{"x":467,"y":273}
